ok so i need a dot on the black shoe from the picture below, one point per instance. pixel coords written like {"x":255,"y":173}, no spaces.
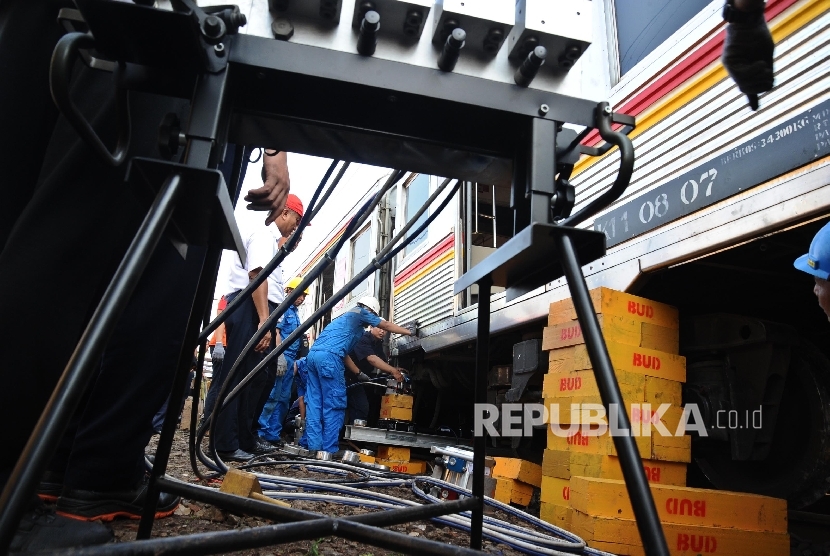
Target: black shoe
{"x":263,"y":447}
{"x":238,"y":455}
{"x":41,"y":529}
{"x":50,"y":486}
{"x":90,"y":505}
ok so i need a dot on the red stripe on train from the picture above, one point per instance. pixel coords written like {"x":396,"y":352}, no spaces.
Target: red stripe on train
{"x":442,"y":247}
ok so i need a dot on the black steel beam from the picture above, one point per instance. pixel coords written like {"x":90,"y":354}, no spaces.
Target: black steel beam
{"x":480,"y":442}
{"x":335,"y":104}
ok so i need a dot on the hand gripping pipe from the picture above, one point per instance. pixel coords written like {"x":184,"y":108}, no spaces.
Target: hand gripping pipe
{"x":384,"y":256}
{"x":328,"y":259}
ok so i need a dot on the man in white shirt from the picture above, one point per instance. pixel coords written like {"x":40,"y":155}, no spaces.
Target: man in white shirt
{"x":235,"y":439}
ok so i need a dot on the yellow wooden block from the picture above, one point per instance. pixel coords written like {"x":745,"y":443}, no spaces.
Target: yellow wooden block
{"x":401,"y":413}
{"x":579,"y":409}
{"x":415,"y":467}
{"x":671,"y":448}
{"x":608,"y":467}
{"x":576,"y":441}
{"x":396,"y":400}
{"x":584,"y":383}
{"x":556,"y":463}
{"x":395,"y":453}
{"x":555,"y":515}
{"x":520,"y":493}
{"x":660,"y":338}
{"x":659,"y":391}
{"x":555,"y":491}
{"x":366,"y":459}
{"x":624,"y":358}
{"x":681,"y":505}
{"x":614,"y":328}
{"x":519,"y":469}
{"x":504,"y":490}
{"x":683,"y":540}
{"x":611,"y":302}
{"x":565,"y":360}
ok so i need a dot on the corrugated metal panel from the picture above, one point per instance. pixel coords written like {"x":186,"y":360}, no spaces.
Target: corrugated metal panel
{"x":429,"y":299}
{"x":719,"y":119}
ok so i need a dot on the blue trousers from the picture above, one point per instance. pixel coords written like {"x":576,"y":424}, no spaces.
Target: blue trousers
{"x":325,"y":400}
{"x":276,"y":408}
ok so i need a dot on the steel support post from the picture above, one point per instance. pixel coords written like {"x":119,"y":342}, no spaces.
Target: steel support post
{"x":642,"y":502}
{"x":83,"y":363}
{"x":480,"y":442}
{"x":204,"y":291}
{"x":541,"y":169}
{"x":205,"y":116}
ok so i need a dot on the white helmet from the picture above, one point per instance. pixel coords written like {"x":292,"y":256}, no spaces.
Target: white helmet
{"x":370,"y":303}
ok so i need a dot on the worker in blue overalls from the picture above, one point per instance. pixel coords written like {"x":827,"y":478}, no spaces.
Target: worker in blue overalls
{"x":325,"y":398}
{"x":276,"y":408}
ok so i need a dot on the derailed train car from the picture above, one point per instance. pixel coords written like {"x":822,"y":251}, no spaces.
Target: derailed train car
{"x":722,"y":200}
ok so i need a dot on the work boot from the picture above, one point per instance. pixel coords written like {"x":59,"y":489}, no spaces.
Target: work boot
{"x":41,"y":529}
{"x":238,"y":455}
{"x":91,"y":505}
{"x":50,"y":486}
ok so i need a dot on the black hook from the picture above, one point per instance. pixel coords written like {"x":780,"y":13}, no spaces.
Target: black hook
{"x":60,"y":75}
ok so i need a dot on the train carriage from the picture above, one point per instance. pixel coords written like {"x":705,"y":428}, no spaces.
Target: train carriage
{"x":722,"y":200}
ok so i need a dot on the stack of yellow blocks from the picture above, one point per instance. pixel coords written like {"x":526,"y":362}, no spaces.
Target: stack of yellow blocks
{"x":515,"y":480}
{"x":642,"y":337}
{"x":582,"y":487}
{"x":397,"y":458}
{"x":396,"y":406}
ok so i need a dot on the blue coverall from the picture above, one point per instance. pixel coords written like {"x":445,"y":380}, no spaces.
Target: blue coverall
{"x":326,"y":390}
{"x":276,"y":408}
{"x":302,"y":381}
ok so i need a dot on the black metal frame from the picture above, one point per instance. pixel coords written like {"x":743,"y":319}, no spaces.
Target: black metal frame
{"x":249,"y":90}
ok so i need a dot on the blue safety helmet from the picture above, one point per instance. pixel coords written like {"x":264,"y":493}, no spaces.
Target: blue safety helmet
{"x":817,"y":261}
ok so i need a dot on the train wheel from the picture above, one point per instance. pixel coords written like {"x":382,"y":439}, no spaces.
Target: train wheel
{"x":798,"y":465}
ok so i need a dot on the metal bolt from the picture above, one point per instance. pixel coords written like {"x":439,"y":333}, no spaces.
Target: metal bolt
{"x":219,"y":49}
{"x":452,"y":461}
{"x":213,"y":27}
{"x":282,"y":28}
{"x":607,"y":110}
{"x":544,"y":109}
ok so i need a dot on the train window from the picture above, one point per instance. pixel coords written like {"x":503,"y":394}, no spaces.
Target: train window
{"x":417,"y":193}
{"x":642,"y":25}
{"x":361,"y":256}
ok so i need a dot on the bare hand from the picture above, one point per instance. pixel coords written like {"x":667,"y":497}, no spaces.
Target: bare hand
{"x":398,"y":373}
{"x":264,"y":343}
{"x":275,"y":187}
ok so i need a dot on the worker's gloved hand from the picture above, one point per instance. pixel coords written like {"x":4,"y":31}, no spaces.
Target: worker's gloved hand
{"x":218,"y":352}
{"x":282,"y":365}
{"x":363,"y":377}
{"x":747,"y":56}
